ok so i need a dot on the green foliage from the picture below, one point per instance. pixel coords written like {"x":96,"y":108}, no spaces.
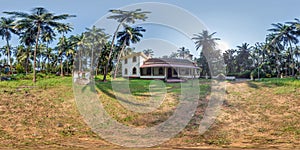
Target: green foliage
{"x":245,"y":74}
{"x":20,"y":68}
{"x":44,"y":82}
{"x":254,"y":73}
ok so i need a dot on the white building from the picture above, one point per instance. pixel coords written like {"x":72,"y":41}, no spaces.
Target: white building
{"x":138,"y":65}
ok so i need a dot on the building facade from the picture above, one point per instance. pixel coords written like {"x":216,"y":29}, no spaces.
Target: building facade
{"x":138,"y":65}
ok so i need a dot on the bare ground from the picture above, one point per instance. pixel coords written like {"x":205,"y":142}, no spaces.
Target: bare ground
{"x":253,"y":116}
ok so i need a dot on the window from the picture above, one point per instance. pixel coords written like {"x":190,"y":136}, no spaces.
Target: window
{"x":126,"y":71}
{"x":148,"y":71}
{"x":125,"y":61}
{"x":134,"y":59}
{"x":134,"y":70}
{"x":184,"y":71}
{"x":160,"y":71}
{"x":175,"y":72}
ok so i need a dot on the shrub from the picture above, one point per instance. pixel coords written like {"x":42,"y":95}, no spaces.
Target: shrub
{"x":262,"y":74}
{"x":268,"y":75}
{"x":20,"y":68}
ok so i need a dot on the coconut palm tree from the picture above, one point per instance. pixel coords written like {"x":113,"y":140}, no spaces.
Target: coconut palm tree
{"x":129,"y":35}
{"x":285,"y":34}
{"x":243,"y":57}
{"x":27,"y":38}
{"x":48,"y":57}
{"x":63,"y":43}
{"x":274,"y":47}
{"x":207,"y":42}
{"x":122,"y":17}
{"x":95,"y":40}
{"x":78,"y":46}
{"x":182,"y":51}
{"x":39,"y":21}
{"x":148,"y":52}
{"x":6,"y":30}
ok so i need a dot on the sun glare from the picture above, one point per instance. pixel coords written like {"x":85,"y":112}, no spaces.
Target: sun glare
{"x":223,"y":46}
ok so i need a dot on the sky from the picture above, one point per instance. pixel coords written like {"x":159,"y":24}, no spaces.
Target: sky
{"x":235,"y":21}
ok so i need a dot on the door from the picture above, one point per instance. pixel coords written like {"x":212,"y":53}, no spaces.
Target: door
{"x":169,"y":73}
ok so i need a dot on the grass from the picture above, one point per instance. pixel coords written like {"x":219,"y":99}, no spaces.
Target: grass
{"x":290,"y":82}
{"x":260,"y":114}
{"x":141,"y":92}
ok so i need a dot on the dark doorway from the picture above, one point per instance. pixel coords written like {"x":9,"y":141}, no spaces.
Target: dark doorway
{"x":169,"y":73}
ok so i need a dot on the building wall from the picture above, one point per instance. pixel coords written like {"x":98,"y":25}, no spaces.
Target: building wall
{"x":130,"y":65}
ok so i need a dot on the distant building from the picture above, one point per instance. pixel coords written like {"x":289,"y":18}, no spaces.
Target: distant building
{"x":138,"y":65}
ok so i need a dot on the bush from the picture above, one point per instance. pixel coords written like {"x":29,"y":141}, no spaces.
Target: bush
{"x":20,"y":68}
{"x":245,"y":74}
{"x":268,"y":75}
{"x":262,"y":74}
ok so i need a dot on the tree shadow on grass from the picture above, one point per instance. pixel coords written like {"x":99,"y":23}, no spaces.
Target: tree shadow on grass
{"x":107,"y":89}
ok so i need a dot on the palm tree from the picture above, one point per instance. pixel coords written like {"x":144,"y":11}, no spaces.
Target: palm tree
{"x":6,"y":30}
{"x":285,"y":34}
{"x":63,"y":43}
{"x":78,"y":46}
{"x":148,"y":52}
{"x":123,"y":17}
{"x":182,"y":51}
{"x":96,"y":39}
{"x":229,"y":57}
{"x":27,"y":38}
{"x":129,"y":35}
{"x":205,"y":41}
{"x":39,"y":21}
{"x":208,"y":44}
{"x":243,"y":57}
{"x":274,"y":47}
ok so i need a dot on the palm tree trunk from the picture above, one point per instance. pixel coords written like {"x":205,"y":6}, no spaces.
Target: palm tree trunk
{"x":80,"y":61}
{"x":27,"y":61}
{"x":291,"y":57}
{"x":111,"y":50}
{"x":67,"y":72}
{"x":119,"y":57}
{"x":34,"y":54}
{"x":61,"y":67}
{"x":8,"y":54}
{"x":92,"y":64}
{"x":98,"y":63}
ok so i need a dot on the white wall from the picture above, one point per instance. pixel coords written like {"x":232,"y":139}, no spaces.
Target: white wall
{"x":130,"y":65}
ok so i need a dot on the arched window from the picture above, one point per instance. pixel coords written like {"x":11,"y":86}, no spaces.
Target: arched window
{"x":134,"y":70}
{"x":126,"y":71}
{"x":125,"y":61}
{"x":134,"y":59}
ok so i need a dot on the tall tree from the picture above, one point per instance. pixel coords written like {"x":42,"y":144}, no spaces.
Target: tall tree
{"x":244,"y":61}
{"x":96,"y":38}
{"x":122,"y":17}
{"x":148,"y":52}
{"x":64,"y":44}
{"x":78,"y":46}
{"x":27,"y":38}
{"x":182,"y":51}
{"x":285,"y":34}
{"x":129,"y":35}
{"x":39,"y":21}
{"x":207,"y":42}
{"x":6,"y":30}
